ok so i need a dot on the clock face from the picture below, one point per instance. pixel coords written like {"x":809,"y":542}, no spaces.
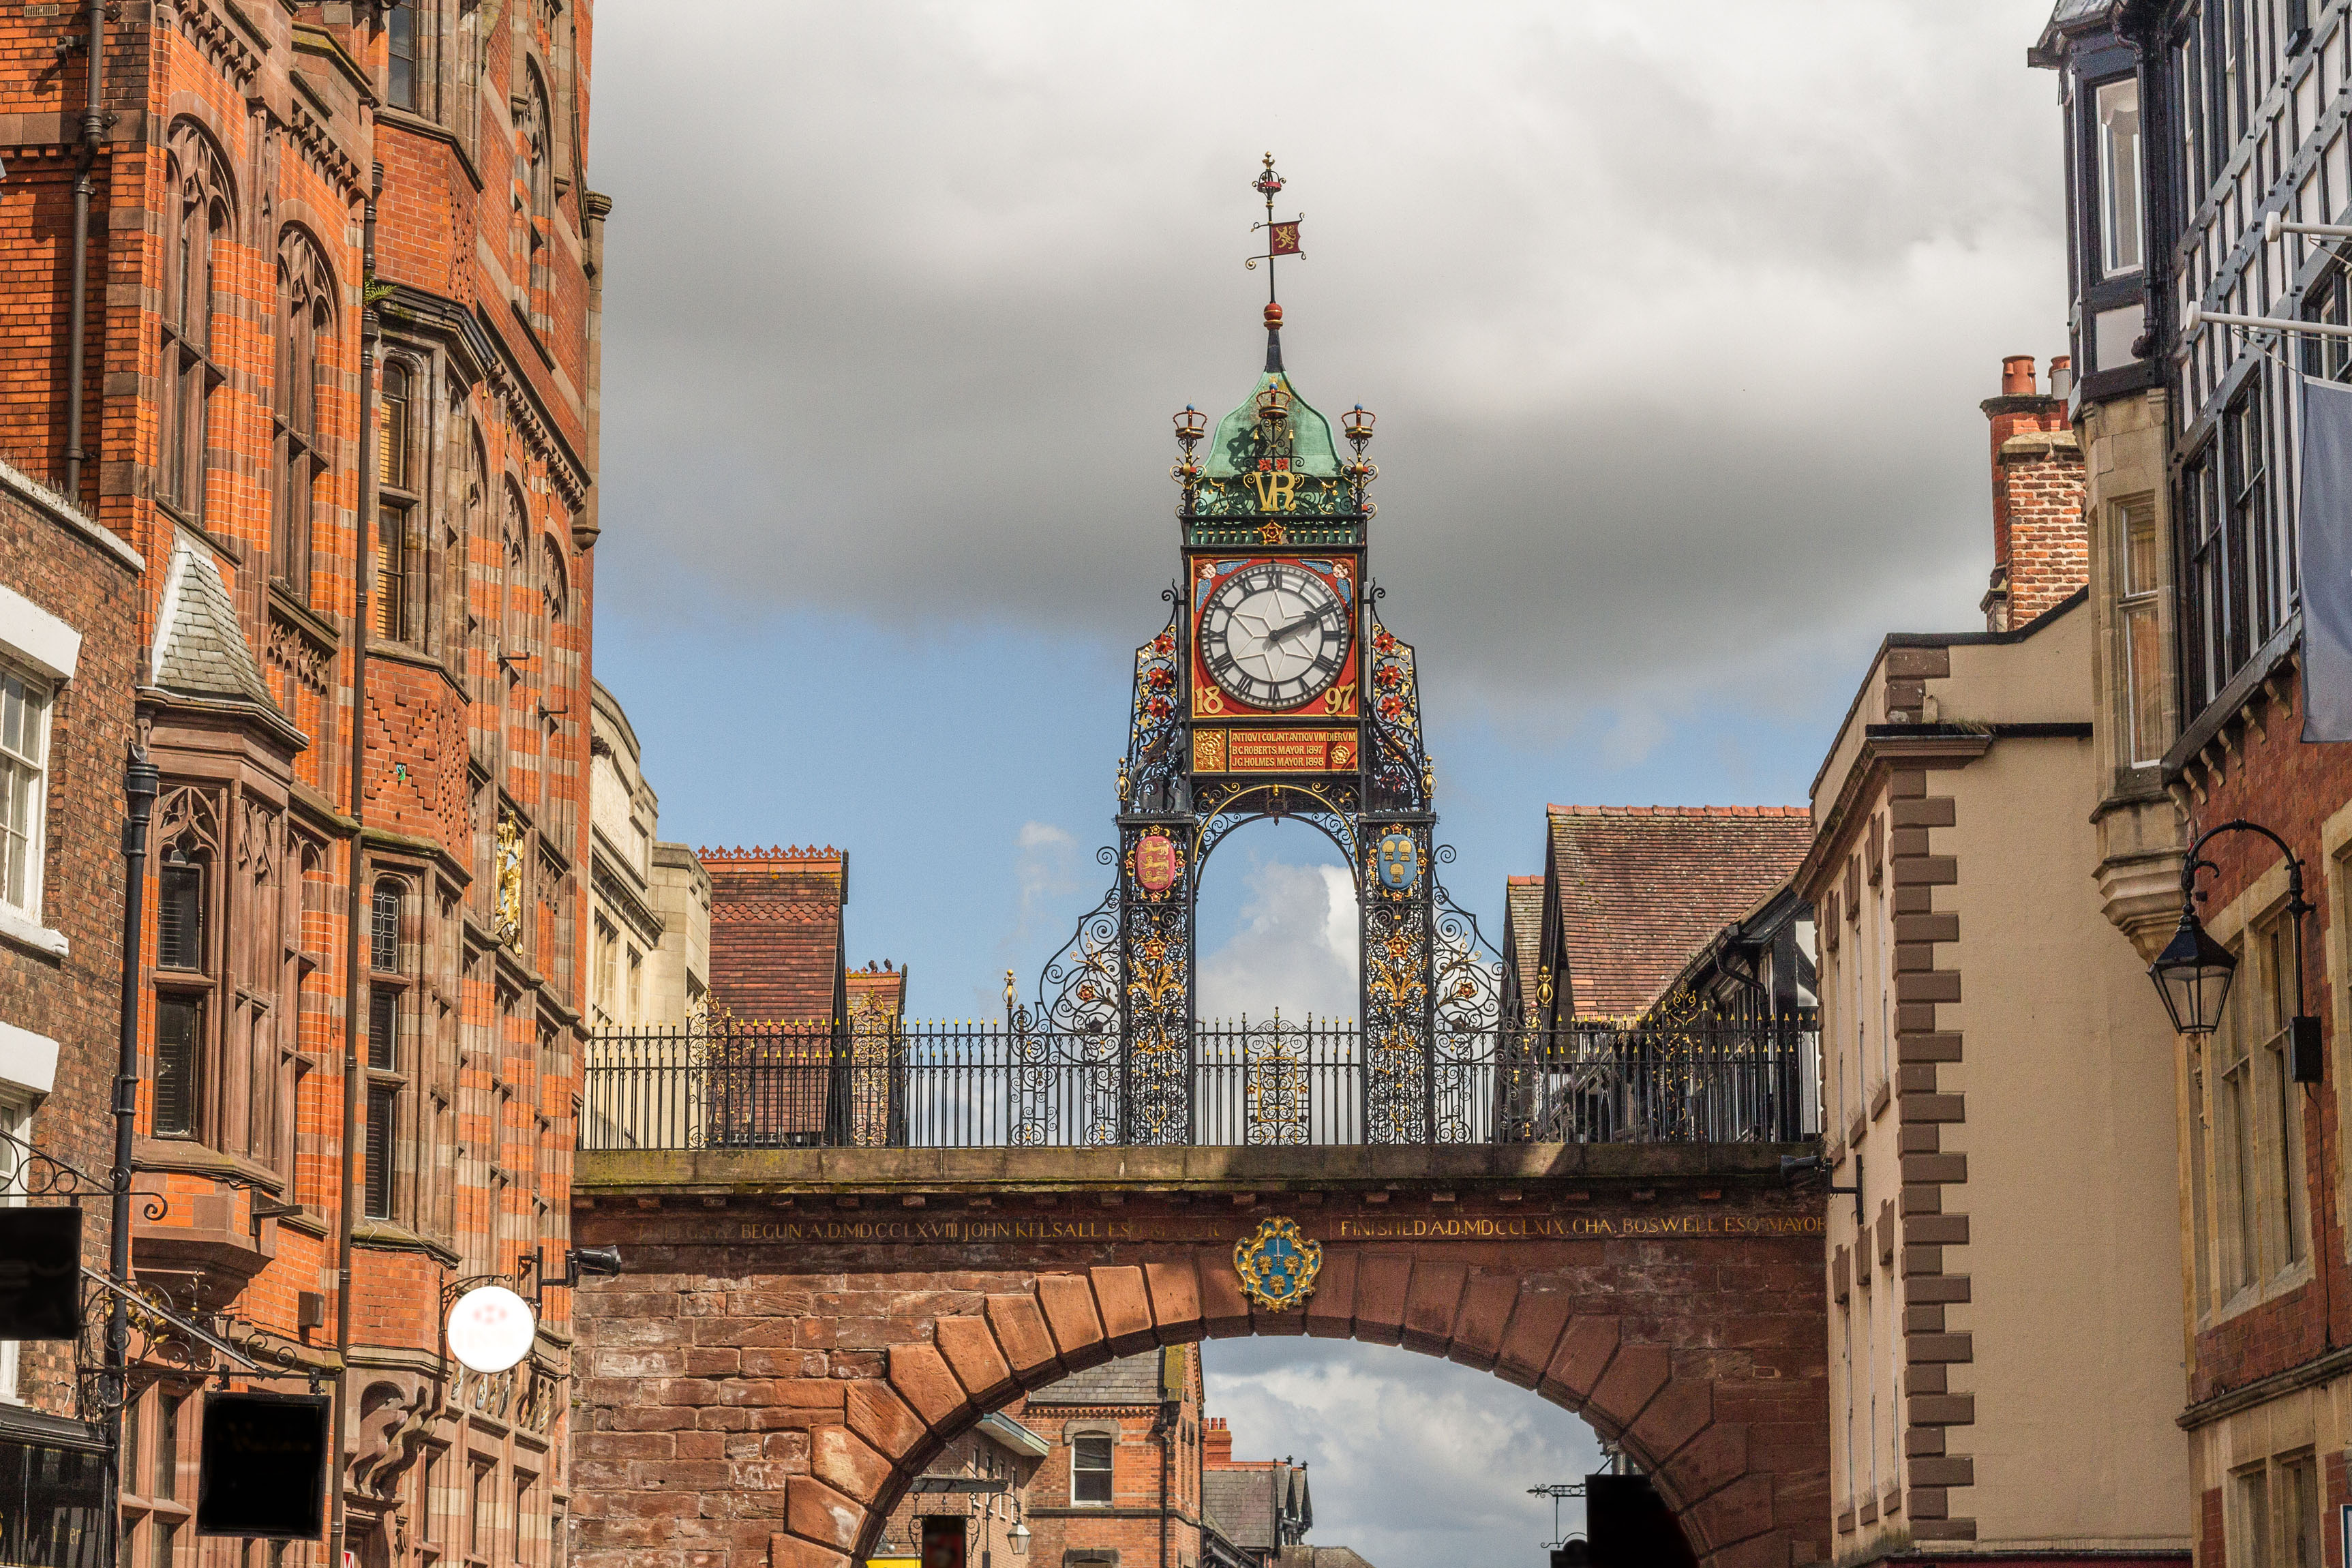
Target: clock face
{"x":1273,"y":634}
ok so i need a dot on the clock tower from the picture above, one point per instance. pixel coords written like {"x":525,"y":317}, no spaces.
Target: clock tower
{"x":1272,"y":692}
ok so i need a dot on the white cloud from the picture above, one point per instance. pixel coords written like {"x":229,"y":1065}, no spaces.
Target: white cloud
{"x":1661,"y":305}
{"x":1415,"y":1462}
{"x":1295,"y":950}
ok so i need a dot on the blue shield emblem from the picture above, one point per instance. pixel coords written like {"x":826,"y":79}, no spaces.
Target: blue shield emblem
{"x":1277,"y":1265}
{"x":1397,"y":861}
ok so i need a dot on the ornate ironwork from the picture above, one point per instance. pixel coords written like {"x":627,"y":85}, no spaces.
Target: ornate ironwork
{"x":1277,"y":1097}
{"x":1155,"y":772}
{"x":36,"y":1173}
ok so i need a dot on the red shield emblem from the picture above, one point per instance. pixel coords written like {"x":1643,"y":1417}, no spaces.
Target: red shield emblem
{"x":1157,"y":863}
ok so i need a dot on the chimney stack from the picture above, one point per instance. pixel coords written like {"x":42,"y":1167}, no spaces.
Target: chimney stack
{"x":1216,"y":1444}
{"x":2041,"y":553}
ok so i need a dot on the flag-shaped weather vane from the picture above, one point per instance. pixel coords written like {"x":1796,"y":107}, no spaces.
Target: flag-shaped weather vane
{"x":1282,"y":238}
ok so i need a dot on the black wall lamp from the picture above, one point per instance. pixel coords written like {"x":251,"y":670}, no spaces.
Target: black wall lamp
{"x":579,"y":1263}
{"x":2193,"y":972}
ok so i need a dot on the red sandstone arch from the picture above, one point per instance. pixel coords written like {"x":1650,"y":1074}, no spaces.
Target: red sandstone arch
{"x":1749,"y":1492}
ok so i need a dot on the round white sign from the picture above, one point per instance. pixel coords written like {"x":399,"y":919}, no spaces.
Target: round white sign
{"x":490,"y":1329}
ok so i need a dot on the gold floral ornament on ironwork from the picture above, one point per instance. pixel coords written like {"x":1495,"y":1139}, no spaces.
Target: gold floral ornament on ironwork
{"x":1277,"y":1265}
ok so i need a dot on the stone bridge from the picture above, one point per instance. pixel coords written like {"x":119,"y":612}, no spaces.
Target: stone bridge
{"x":795,"y":1332}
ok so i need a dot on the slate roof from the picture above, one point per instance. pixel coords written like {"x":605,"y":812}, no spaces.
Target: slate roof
{"x":1241,"y":1499}
{"x":1305,"y":1557}
{"x":1130,"y":1380}
{"x":200,"y":649}
{"x":775,"y":933}
{"x":1523,"y":928}
{"x":1642,"y":888}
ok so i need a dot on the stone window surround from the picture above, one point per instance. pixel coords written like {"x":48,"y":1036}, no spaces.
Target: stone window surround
{"x":2262,"y":898}
{"x":50,"y":648}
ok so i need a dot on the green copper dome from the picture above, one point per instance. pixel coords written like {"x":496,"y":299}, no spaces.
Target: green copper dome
{"x":1243,"y":438}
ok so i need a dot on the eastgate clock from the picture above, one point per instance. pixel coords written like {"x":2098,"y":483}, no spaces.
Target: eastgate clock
{"x":1273,"y":634}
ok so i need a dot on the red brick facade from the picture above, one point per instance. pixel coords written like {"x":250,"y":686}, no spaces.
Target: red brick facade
{"x":776,"y":952}
{"x":865,"y":1325}
{"x":2041,"y":551}
{"x":61,"y":929}
{"x":243,"y":428}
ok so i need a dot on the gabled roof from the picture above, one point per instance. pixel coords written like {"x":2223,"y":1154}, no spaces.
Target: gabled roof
{"x":1244,"y":1500}
{"x":1642,"y":888}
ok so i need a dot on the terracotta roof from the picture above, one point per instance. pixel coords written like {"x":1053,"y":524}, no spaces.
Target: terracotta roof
{"x":775,"y":933}
{"x":1642,"y":888}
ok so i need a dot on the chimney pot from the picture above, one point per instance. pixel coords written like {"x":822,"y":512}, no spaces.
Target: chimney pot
{"x":2017,"y":377}
{"x":2062,"y":376}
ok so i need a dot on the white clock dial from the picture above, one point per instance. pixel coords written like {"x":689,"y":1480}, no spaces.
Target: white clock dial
{"x":1273,"y":634}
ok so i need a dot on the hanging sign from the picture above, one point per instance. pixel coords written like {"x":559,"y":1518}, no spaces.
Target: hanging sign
{"x":490,"y":1329}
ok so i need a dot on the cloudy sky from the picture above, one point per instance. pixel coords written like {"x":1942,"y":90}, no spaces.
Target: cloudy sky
{"x":1676,"y":316}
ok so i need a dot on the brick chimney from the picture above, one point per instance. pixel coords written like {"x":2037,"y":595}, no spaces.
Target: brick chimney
{"x":1216,"y":1444}
{"x":2041,"y":551}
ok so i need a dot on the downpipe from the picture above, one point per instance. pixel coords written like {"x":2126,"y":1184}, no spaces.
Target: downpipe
{"x":93,"y":133}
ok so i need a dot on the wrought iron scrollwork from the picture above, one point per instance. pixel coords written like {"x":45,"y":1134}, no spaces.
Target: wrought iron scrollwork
{"x":1154,"y":776}
{"x":1065,"y":1052}
{"x":1466,"y":989}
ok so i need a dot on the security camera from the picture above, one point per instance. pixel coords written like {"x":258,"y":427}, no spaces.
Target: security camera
{"x":598,"y":1260}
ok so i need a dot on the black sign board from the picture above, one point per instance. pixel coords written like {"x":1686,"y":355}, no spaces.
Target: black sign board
{"x":40,"y":1271}
{"x":264,"y":1468}
{"x":1630,"y":1526}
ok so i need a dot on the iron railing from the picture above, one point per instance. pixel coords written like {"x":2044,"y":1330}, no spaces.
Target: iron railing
{"x":1274,"y":1083}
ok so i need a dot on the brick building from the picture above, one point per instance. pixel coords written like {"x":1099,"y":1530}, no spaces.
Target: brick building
{"x":358,"y":486}
{"x":1264,"y":1507}
{"x":2191,"y":127}
{"x":1996,"y":1119}
{"x":69,"y":601}
{"x":1631,"y":892}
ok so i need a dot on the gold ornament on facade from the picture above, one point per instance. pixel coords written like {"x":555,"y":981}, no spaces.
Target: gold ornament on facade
{"x":1277,"y":1265}
{"x":506,"y":918}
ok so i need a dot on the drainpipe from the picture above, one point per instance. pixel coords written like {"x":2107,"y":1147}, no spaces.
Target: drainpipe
{"x":93,"y":132}
{"x":355,"y":911}
{"x":139,"y":783}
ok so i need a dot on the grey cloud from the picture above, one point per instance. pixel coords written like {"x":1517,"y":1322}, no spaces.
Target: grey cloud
{"x":1676,"y":316}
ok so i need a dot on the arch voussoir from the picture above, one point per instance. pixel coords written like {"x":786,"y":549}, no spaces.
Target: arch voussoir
{"x":1026,"y":1342}
{"x":1223,"y":1309}
{"x":1476,"y":1338}
{"x":1332,"y":1310}
{"x":1537,"y":1318}
{"x":1579,"y":1361}
{"x":1432,"y":1293}
{"x":1067,"y":1301}
{"x":972,"y":1355}
{"x":1739,"y":1512}
{"x":1175,"y":1291}
{"x":1383,"y":1282}
{"x":1636,"y":1374}
{"x":1126,"y":1308}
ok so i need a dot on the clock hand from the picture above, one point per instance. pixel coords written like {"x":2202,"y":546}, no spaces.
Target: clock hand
{"x":1293,"y":629}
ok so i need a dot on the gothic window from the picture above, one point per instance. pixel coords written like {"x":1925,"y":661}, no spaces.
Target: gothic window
{"x":306,"y":292}
{"x":197,"y":179}
{"x":400,"y":537}
{"x":388,"y":1050}
{"x":404,"y":57}
{"x":537,"y":195}
{"x":183,"y":954}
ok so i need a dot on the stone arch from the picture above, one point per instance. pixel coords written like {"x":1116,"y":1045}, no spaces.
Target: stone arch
{"x":1740,"y":1503}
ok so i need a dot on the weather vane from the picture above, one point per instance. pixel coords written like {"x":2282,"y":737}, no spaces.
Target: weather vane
{"x":1282,"y":239}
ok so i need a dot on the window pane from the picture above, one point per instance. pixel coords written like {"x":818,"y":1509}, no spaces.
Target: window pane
{"x":383,"y":929}
{"x":1090,"y":1470}
{"x":2142,"y":649}
{"x":179,"y":1025}
{"x":167,"y":1536}
{"x":167,"y":1449}
{"x":2118,"y":111}
{"x":180,"y":921}
{"x":383,"y":1024}
{"x":381,"y":1099}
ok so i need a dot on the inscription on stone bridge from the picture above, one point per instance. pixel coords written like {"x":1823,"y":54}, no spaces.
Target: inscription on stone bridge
{"x":1528,"y":1227}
